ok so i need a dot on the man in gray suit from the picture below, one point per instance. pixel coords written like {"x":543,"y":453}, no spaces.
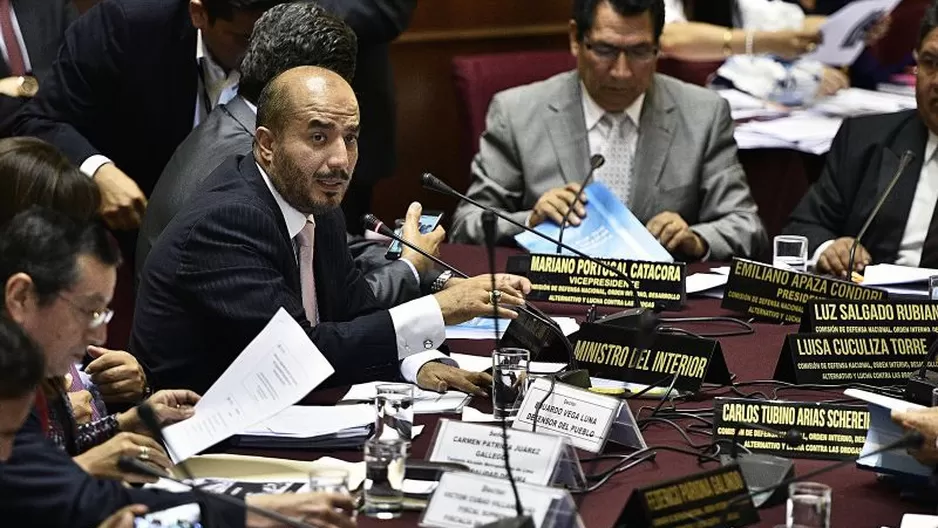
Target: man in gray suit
{"x":669,"y":147}
{"x":287,"y":36}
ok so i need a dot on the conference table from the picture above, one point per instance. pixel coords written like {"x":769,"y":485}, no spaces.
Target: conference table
{"x":859,"y":499}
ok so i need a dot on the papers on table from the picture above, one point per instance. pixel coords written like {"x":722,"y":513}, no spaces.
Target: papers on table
{"x":702,"y":282}
{"x":484,"y":328}
{"x":884,"y":431}
{"x":312,"y":427}
{"x":247,"y":468}
{"x":856,"y":101}
{"x":275,"y":370}
{"x":845,"y":31}
{"x":484,"y":363}
{"x":744,"y":106}
{"x":610,"y":230}
{"x":470,"y":414}
{"x":915,"y":520}
{"x":425,"y":402}
{"x":899,"y":280}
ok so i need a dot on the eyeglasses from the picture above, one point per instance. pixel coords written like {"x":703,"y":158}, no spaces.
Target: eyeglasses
{"x":928,"y":64}
{"x":96,"y":318}
{"x":609,"y":53}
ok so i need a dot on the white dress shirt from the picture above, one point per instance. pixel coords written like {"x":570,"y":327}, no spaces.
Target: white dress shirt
{"x":213,"y":83}
{"x":418,"y":324}
{"x":923,"y":207}
{"x":598,"y":131}
{"x":19,"y":40}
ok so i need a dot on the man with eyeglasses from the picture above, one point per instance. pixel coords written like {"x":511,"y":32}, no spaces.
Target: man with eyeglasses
{"x":862,"y":161}
{"x":669,"y":147}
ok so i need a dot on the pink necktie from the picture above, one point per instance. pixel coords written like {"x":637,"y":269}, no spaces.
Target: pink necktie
{"x":304,"y":239}
{"x":16,"y":63}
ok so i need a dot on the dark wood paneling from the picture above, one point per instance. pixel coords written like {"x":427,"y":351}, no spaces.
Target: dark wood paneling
{"x":430,"y":128}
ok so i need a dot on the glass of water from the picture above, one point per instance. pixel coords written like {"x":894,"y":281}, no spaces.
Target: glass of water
{"x":509,"y":380}
{"x":933,"y":287}
{"x":385,"y":464}
{"x":790,"y":252}
{"x":809,"y":505}
{"x":394,"y":406}
{"x":328,"y":480}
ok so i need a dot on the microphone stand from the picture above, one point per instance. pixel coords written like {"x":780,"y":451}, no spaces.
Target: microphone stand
{"x":596,"y":161}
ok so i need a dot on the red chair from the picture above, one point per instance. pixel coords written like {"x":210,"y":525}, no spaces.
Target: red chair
{"x":902,"y":37}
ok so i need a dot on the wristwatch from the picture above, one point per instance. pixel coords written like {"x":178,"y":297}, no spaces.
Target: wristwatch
{"x":440,"y":281}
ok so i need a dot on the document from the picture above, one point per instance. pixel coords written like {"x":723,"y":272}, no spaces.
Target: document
{"x":484,"y":363}
{"x":888,"y":274}
{"x":852,"y":102}
{"x":845,"y":31}
{"x":301,"y":421}
{"x":609,"y":230}
{"x":275,"y":370}
{"x":882,"y":432}
{"x":701,"y":282}
{"x":425,"y":402}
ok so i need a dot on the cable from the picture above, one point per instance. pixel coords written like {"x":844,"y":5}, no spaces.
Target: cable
{"x":537,"y":410}
{"x":746,"y":328}
{"x":650,"y":387}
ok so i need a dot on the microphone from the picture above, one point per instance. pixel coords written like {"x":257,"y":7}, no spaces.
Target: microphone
{"x":151,"y":422}
{"x":520,"y":520}
{"x":132,"y":465}
{"x":903,"y":163}
{"x":921,"y":385}
{"x":435,"y":184}
{"x":596,"y":161}
{"x":371,"y":223}
{"x":762,"y":470}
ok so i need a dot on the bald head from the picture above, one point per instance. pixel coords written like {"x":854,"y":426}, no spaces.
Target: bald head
{"x":307,"y":137}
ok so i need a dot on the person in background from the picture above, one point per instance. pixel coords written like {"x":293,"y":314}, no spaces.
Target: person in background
{"x":47,"y":262}
{"x":30,"y":32}
{"x":288,"y":35}
{"x":22,"y":368}
{"x":862,"y":161}
{"x":763,"y":42}
{"x":669,"y":147}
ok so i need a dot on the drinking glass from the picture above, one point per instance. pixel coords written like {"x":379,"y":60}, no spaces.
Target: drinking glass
{"x":384,"y":478}
{"x":394,"y":406}
{"x":509,"y":380}
{"x":933,"y":287}
{"x":809,"y":505}
{"x":790,"y":252}
{"x":328,"y":480}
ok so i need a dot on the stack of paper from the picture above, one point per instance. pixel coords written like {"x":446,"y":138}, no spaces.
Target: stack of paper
{"x":804,"y":131}
{"x":312,"y":428}
{"x":882,"y":432}
{"x":899,"y":280}
{"x":425,"y":402}
{"x":484,"y":363}
{"x":855,"y":101}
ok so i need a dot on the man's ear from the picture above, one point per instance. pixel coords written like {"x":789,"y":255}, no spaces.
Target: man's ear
{"x":263,"y":145}
{"x":197,"y":14}
{"x":19,"y":297}
{"x":574,"y":43}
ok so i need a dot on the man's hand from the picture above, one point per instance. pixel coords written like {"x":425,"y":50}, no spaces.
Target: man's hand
{"x":555,"y":204}
{"x":879,"y":30}
{"x":117,"y":374}
{"x":676,"y":236}
{"x":429,"y":242}
{"x":440,"y":377}
{"x":170,"y":406}
{"x":788,"y":44}
{"x":81,"y":406}
{"x":832,"y":81}
{"x":836,"y":258}
{"x":924,"y":421}
{"x":124,"y":517}
{"x":122,"y":201}
{"x":473,"y":297}
{"x":325,"y":510}
{"x":101,"y":461}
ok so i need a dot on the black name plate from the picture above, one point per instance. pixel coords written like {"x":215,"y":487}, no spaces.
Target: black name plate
{"x":873,"y":359}
{"x":870,"y":317}
{"x":718,"y":497}
{"x":575,"y":280}
{"x":761,"y":290}
{"x":828,"y":431}
{"x":619,"y":354}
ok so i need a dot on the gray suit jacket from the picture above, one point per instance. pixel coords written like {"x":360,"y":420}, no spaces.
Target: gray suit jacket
{"x":229,"y":130}
{"x":536,"y":140}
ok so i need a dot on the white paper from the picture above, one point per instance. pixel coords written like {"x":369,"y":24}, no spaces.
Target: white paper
{"x":425,"y":402}
{"x":845,"y":31}
{"x":275,"y":370}
{"x":853,"y":102}
{"x":882,"y":401}
{"x":887,"y":274}
{"x":482,"y":328}
{"x":300,"y":421}
{"x":699,"y":282}
{"x":722,"y":270}
{"x":472,"y":415}
{"x":915,"y":520}
{"x":483,"y":363}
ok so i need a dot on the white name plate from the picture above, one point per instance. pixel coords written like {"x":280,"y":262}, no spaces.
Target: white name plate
{"x":582,"y":416}
{"x":535,"y":458}
{"x":464,"y":500}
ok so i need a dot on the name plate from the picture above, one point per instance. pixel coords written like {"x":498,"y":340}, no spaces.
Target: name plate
{"x":760,"y":290}
{"x":873,"y":359}
{"x":575,"y":280}
{"x":718,"y":497}
{"x":870,"y":317}
{"x":828,"y":431}
{"x":615,"y":353}
{"x":535,"y":458}
{"x":463,"y":500}
{"x":583,"y":417}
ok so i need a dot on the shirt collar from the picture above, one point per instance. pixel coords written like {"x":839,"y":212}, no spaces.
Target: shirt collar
{"x":212,"y":71}
{"x":251,"y":105}
{"x":593,"y":113}
{"x":930,"y":146}
{"x":294,"y":219}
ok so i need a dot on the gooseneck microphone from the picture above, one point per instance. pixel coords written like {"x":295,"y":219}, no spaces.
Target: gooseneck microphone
{"x":596,"y":161}
{"x":903,"y":163}
{"x":433,"y":183}
{"x":133,"y":465}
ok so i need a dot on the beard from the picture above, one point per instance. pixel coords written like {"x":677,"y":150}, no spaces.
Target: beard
{"x":293,"y":183}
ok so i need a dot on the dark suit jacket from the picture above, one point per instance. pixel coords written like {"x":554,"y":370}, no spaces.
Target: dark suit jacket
{"x":124,"y":86}
{"x":862,"y":160}
{"x":41,"y":486}
{"x":226,"y":264}
{"x":42,"y":23}
{"x":229,"y":130}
